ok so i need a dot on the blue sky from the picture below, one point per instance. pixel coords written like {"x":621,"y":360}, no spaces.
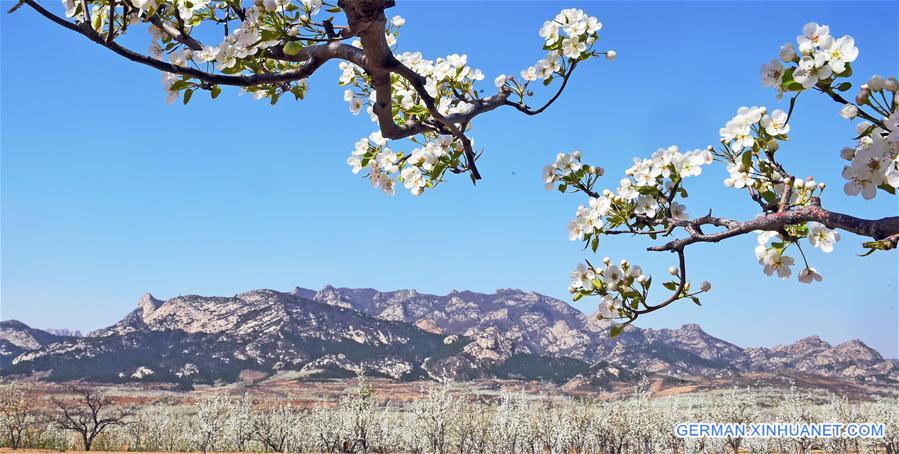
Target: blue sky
{"x":107,"y":192}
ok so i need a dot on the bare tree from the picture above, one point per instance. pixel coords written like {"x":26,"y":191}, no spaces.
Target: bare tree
{"x":88,"y":414}
{"x":16,"y":417}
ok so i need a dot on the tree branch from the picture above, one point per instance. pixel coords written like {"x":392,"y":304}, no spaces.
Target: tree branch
{"x":877,"y":229}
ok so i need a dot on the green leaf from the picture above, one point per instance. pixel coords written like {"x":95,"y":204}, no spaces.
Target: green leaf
{"x":187,"y":94}
{"x":437,"y":172}
{"x":275,"y":98}
{"x":746,"y":160}
{"x":888,"y":188}
{"x":696,"y":301}
{"x":547,"y":81}
{"x":616,"y":330}
{"x":293,"y":48}
{"x":794,"y":86}
{"x":216,"y":91}
{"x":563,"y":187}
{"x":670,"y":285}
{"x":843,"y":86}
{"x":333,"y":10}
{"x":577,"y":296}
{"x":595,"y":243}
{"x":269,"y":35}
{"x":179,"y":85}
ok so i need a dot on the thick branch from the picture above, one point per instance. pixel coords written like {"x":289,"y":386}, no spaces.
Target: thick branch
{"x":312,"y":57}
{"x":874,"y":228}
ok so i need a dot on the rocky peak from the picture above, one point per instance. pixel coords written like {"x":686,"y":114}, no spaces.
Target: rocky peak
{"x":148,"y":304}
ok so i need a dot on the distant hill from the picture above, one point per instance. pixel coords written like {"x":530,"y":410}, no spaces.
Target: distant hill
{"x":403,"y":335}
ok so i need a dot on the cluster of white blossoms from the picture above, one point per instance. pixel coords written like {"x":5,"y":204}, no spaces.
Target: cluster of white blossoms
{"x":422,"y":168}
{"x":623,"y":286}
{"x":645,"y":193}
{"x":372,"y":152}
{"x":451,"y":83}
{"x":567,"y":169}
{"x":568,"y":39}
{"x":445,"y":77}
{"x":874,"y":161}
{"x":266,"y":24}
{"x":571,"y":34}
{"x":820,"y":59}
{"x":737,"y":133}
{"x":774,"y":261}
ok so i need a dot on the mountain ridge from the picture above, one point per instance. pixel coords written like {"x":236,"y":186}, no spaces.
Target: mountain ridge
{"x":403,"y":335}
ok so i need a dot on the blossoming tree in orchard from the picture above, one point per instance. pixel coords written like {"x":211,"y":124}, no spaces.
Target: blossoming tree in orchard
{"x":271,"y":47}
{"x":649,"y":200}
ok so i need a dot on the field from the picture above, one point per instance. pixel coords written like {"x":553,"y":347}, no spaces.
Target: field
{"x":381,"y":416}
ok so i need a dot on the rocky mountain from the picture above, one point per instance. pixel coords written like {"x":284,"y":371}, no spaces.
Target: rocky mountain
{"x":17,"y":338}
{"x":64,"y":332}
{"x":405,"y":335}
{"x":192,"y":339}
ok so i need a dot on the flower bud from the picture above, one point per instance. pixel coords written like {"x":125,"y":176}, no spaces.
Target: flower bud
{"x":624,"y":263}
{"x":810,"y":185}
{"x":849,"y":111}
{"x":611,"y":55}
{"x":787,"y":53}
{"x":641,"y":278}
{"x":706,"y":286}
{"x":576,"y":154}
{"x":876,"y":83}
{"x":891,"y":84}
{"x":729,"y":182}
{"x":607,"y":261}
{"x":672,"y":270}
{"x":773,"y":145}
{"x":606,"y":192}
{"x":862,"y":97}
{"x":821,"y":186}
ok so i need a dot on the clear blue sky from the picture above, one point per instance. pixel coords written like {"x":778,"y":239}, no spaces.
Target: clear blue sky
{"x":107,"y":192}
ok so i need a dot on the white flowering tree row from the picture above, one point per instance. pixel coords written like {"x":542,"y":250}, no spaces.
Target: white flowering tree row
{"x":649,"y":201}
{"x":443,"y":420}
{"x":270,"y":47}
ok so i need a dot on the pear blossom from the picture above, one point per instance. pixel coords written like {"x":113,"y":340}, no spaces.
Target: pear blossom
{"x":809,"y":275}
{"x":810,"y":71}
{"x":582,"y":277}
{"x":841,"y":52}
{"x":822,"y":237}
{"x":573,"y":47}
{"x":774,"y":261}
{"x":776,"y":123}
{"x":609,"y":307}
{"x":813,"y":35}
{"x":772,"y":73}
